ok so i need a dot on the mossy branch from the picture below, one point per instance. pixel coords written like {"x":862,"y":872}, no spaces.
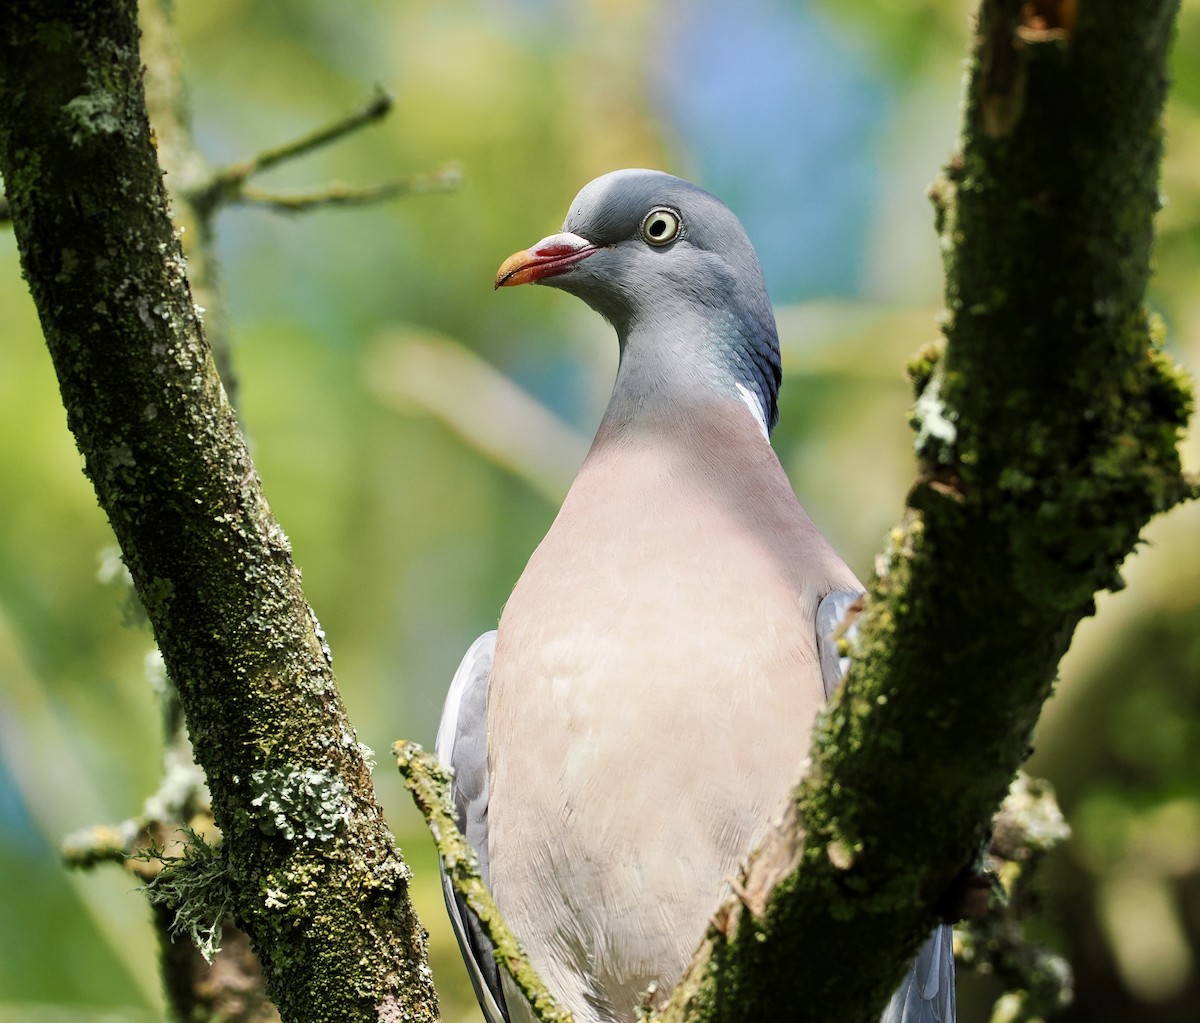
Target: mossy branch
{"x":315,"y":878}
{"x":1047,"y":432}
{"x":429,"y":784}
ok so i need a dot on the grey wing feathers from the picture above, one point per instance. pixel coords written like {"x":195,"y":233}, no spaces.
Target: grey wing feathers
{"x":462,"y":745}
{"x":926,"y":995}
{"x":831,"y":612}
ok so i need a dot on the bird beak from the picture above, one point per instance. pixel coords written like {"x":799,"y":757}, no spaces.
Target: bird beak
{"x":548,"y":258}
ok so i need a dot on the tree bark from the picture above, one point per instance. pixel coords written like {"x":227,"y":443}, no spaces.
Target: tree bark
{"x":307,"y":864}
{"x":1047,"y":432}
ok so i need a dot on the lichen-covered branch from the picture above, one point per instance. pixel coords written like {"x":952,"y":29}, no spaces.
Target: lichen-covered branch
{"x":313,"y":873}
{"x":1047,"y":432}
{"x":1037,"y":982}
{"x":427,"y":781}
{"x":209,"y":971}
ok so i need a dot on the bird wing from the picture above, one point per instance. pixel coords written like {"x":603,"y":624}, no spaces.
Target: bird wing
{"x":831,"y":613}
{"x":926,"y":995}
{"x":462,"y":745}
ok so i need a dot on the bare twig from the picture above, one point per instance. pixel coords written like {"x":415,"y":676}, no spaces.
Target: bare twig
{"x":428,"y":782}
{"x":230,"y":178}
{"x":442,"y":180}
{"x":229,"y":184}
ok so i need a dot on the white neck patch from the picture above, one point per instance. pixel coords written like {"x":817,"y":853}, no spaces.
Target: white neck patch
{"x":752,"y":402}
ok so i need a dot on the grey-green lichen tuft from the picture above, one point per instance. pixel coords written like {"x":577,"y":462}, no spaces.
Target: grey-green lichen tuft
{"x":93,"y":112}
{"x":196,"y":887}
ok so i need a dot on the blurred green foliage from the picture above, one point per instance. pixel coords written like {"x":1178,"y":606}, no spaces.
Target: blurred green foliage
{"x":411,"y":526}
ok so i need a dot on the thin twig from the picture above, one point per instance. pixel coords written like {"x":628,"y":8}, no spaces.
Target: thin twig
{"x":443,"y":180}
{"x":101,"y":843}
{"x":228,"y":185}
{"x":230,"y":178}
{"x":429,"y":784}
{"x":1037,"y":982}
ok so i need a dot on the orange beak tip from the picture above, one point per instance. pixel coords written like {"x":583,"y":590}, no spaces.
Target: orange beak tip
{"x":515,"y":269}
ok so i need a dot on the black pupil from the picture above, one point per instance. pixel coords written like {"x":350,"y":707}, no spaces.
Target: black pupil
{"x":658,"y":227}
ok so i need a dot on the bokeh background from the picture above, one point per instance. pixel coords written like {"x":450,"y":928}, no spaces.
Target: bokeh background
{"x":415,"y":431}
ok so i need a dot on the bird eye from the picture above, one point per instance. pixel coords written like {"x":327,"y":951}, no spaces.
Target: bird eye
{"x":660,"y":226}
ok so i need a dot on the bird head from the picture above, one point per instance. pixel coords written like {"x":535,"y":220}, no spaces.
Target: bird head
{"x":670,"y":267}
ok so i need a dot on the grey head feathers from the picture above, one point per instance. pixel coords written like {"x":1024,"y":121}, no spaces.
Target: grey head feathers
{"x":690,"y":308}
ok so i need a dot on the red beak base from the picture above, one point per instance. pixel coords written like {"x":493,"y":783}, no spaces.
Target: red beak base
{"x":548,"y":258}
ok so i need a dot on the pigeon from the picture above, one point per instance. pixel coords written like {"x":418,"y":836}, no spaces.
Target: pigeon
{"x":644,"y":709}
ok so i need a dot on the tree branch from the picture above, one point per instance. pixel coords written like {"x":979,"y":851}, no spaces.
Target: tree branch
{"x":1047,"y":434}
{"x":188,"y":173}
{"x":229,"y":180}
{"x":444,"y":180}
{"x":1037,"y":982}
{"x":229,"y":185}
{"x":428,"y":783}
{"x":315,"y":877}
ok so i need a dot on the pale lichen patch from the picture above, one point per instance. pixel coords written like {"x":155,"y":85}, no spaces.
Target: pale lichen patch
{"x":306,"y":804}
{"x":935,"y":423}
{"x":92,"y":113}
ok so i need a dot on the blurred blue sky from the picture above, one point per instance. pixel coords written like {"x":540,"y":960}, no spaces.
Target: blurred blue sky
{"x":779,"y":111}
{"x":773,"y":108}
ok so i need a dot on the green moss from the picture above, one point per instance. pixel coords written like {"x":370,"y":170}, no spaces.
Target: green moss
{"x":54,"y":35}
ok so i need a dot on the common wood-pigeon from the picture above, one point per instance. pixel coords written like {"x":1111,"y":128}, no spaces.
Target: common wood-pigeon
{"x":642,"y":712}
